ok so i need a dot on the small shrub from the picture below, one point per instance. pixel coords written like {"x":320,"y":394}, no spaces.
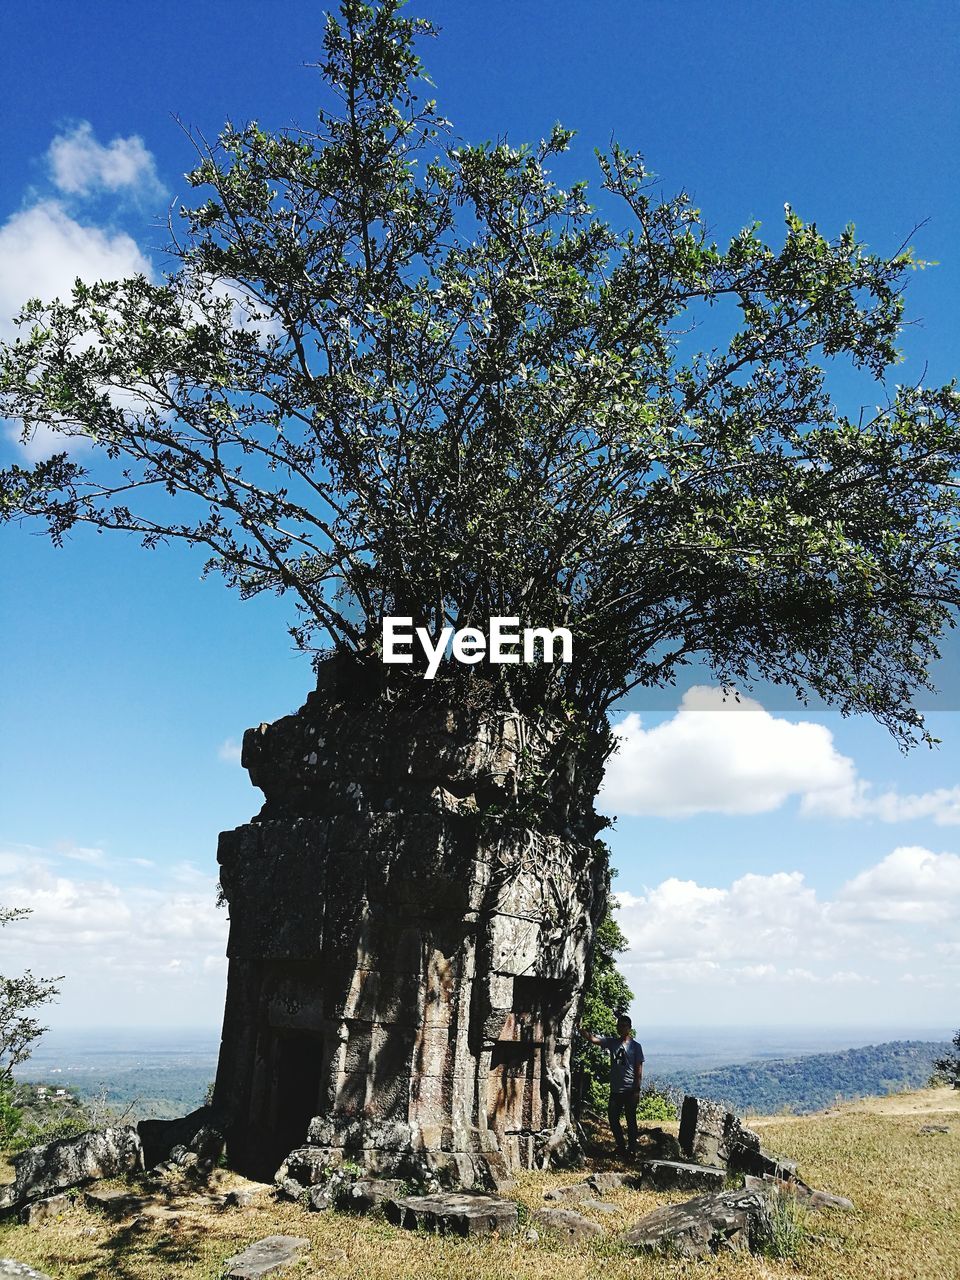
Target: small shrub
{"x":788,"y":1227}
{"x":11,"y":1117}
{"x":656,"y":1104}
{"x":38,"y":1134}
{"x":947,"y":1068}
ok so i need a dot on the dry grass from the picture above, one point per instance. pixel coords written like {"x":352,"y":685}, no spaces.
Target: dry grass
{"x":907,"y":1224}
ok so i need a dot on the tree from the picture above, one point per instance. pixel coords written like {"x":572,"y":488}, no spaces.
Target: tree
{"x":18,"y":1029}
{"x":394,"y":373}
{"x":948,"y":1067}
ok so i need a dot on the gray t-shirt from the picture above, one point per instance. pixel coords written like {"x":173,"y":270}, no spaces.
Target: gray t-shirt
{"x":625,"y":1062}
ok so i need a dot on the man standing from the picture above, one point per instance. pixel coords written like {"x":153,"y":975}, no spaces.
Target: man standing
{"x":626,"y":1078}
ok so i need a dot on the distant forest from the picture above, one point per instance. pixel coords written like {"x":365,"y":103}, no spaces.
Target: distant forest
{"x":815,"y":1080}
{"x":805,"y":1083}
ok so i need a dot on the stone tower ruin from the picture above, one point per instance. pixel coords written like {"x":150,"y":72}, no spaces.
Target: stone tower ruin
{"x":404,"y":972}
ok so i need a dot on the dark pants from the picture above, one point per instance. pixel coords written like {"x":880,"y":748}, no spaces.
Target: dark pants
{"x":623,"y":1104}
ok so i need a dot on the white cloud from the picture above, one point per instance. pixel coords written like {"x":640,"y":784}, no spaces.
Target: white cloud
{"x":119,"y":946}
{"x":721,"y":755}
{"x":43,"y":251}
{"x":82,"y":166}
{"x":229,"y":751}
{"x":941,"y":806}
{"x":770,"y":934}
{"x":911,"y":885}
{"x":717,"y":756}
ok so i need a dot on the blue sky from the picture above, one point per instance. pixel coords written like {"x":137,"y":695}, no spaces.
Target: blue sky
{"x":806,"y":874}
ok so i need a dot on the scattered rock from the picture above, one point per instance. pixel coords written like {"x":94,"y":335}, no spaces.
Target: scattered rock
{"x":579,"y":1191}
{"x":368,"y":1195}
{"x":117,"y":1204}
{"x":799,"y":1190}
{"x":10,"y":1268}
{"x":304,"y":1167}
{"x":611,"y":1181}
{"x":320,"y":1198}
{"x":657,"y":1144}
{"x":737,"y":1220}
{"x":572,"y":1226}
{"x":531,"y":1236}
{"x":665,"y":1175}
{"x":272,"y":1253}
{"x":159,"y":1216}
{"x":40,"y":1210}
{"x":459,"y":1213}
{"x":934,"y":1128}
{"x":42,"y":1171}
{"x":240,"y":1197}
{"x":762,"y":1164}
{"x":598,"y":1206}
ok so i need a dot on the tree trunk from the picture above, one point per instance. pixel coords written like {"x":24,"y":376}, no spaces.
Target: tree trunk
{"x":411,"y":919}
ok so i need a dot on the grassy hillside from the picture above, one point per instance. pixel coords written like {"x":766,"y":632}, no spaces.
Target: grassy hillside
{"x":816,"y":1080}
{"x":903,"y":1182}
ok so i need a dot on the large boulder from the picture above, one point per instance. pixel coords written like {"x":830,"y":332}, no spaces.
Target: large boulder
{"x":736,"y":1220}
{"x":42,"y":1171}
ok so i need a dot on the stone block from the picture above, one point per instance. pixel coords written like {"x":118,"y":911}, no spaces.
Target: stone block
{"x":455,"y":1213}
{"x":241,"y":1197}
{"x":367,"y":1195}
{"x":734,"y":1220}
{"x":70,"y":1162}
{"x":514,"y":945}
{"x":798,"y":1190}
{"x":666,"y":1175}
{"x":611,"y":1181}
{"x":701,"y":1130}
{"x":761,"y":1163}
{"x":20,"y":1271}
{"x":200,"y":1132}
{"x":577,"y":1191}
{"x":116,"y":1204}
{"x":306,"y":1166}
{"x":33,"y":1214}
{"x":598,"y":1206}
{"x":570,"y":1225}
{"x":265,"y":1257}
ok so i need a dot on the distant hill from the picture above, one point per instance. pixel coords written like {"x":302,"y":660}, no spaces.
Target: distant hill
{"x":813,"y":1081}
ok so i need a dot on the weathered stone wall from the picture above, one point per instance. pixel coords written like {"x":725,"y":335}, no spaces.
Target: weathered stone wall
{"x":405,"y":971}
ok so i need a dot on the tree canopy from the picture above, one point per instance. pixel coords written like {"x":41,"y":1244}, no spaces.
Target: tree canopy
{"x":18,"y":998}
{"x":392,"y":372}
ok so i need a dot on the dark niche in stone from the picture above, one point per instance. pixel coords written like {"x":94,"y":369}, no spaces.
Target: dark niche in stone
{"x":406,"y":965}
